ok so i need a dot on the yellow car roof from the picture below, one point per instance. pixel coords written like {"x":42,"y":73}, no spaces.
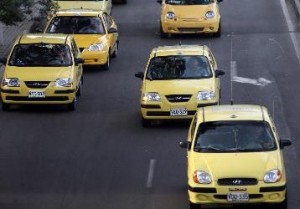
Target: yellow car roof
{"x":233,"y":112}
{"x":180,"y":50}
{"x":43,"y":38}
{"x":81,"y":4}
{"x":78,"y":12}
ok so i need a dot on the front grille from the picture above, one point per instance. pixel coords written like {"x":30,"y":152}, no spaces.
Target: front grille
{"x":46,"y":99}
{"x":37,"y":84}
{"x":165,"y":113}
{"x":179,"y":98}
{"x":190,"y":29}
{"x":251,"y":196}
{"x":237,"y":181}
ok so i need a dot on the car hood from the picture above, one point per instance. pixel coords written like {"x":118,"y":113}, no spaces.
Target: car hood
{"x":194,"y":11}
{"x":227,"y":165}
{"x":85,"y":40}
{"x":180,"y":86}
{"x":98,"y":5}
{"x":38,"y":73}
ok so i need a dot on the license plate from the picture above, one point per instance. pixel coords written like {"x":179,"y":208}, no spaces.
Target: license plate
{"x":178,"y":111}
{"x":36,"y":94}
{"x":237,"y":197}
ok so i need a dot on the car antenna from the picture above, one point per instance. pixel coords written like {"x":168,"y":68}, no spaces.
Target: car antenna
{"x":232,"y":70}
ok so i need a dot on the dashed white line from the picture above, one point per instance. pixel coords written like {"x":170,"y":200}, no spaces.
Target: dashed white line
{"x":151,"y":173}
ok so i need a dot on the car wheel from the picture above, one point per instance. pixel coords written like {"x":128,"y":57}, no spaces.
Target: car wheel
{"x":5,"y":106}
{"x":194,"y":206}
{"x":146,"y":123}
{"x":79,"y":90}
{"x":162,"y":33}
{"x":282,"y":205}
{"x":218,"y":33}
{"x":106,"y":65}
{"x":115,"y":53}
{"x":72,"y":105}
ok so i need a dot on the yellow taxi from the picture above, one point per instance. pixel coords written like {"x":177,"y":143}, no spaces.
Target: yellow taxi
{"x":42,"y":69}
{"x":234,"y":156}
{"x":189,"y":16}
{"x":95,"y":33}
{"x":178,"y":79}
{"x":101,"y":5}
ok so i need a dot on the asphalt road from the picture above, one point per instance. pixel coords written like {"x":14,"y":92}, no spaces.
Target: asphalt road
{"x":100,"y":157}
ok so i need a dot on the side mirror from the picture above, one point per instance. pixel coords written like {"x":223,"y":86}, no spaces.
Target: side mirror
{"x":219,"y":1}
{"x":284,"y":143}
{"x":219,"y":72}
{"x":112,"y":30}
{"x":139,"y":75}
{"x":185,"y":144}
{"x":3,"y":60}
{"x":79,"y":61}
{"x":159,"y":1}
{"x":39,"y":30}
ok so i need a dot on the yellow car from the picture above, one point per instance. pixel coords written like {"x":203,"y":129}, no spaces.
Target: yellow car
{"x":95,"y":33}
{"x":42,"y":69}
{"x":189,"y":16}
{"x":101,"y":5}
{"x":234,"y":156}
{"x":177,"y":80}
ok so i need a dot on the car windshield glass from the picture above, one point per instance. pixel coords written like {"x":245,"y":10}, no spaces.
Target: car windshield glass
{"x":179,"y":67}
{"x":25,"y":55}
{"x":234,"y":136}
{"x":189,"y":2}
{"x":80,"y":0}
{"x":76,"y":25}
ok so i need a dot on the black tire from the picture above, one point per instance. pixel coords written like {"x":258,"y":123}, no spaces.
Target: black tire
{"x":162,"y":33}
{"x":72,"y":105}
{"x":5,"y":106}
{"x":219,"y":32}
{"x":79,"y":90}
{"x":146,"y":123}
{"x":115,"y":53}
{"x":107,"y":64}
{"x":282,"y":205}
{"x":194,"y":206}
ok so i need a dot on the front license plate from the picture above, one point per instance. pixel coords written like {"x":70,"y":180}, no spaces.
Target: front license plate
{"x":178,"y":111}
{"x":237,"y":197}
{"x":36,"y":94}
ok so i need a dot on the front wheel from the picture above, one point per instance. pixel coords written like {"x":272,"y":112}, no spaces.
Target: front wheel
{"x":162,"y":33}
{"x":107,"y":64}
{"x":194,"y":206}
{"x":218,"y":33}
{"x":72,"y":106}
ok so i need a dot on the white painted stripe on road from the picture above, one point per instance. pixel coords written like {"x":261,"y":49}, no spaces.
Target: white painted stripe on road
{"x":291,"y":28}
{"x":151,"y":173}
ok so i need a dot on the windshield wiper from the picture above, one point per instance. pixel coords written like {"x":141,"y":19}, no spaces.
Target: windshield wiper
{"x":208,"y":148}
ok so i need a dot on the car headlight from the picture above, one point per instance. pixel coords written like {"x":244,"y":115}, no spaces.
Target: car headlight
{"x":151,"y":96}
{"x":210,"y":14}
{"x":11,"y":82}
{"x":205,"y":95}
{"x":170,"y":15}
{"x":96,"y":47}
{"x":272,"y":176}
{"x":201,"y":177}
{"x":63,"y":82}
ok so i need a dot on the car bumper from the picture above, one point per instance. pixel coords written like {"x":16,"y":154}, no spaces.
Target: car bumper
{"x":52,"y":96}
{"x":94,"y":58}
{"x":174,"y":27}
{"x":257,"y":194}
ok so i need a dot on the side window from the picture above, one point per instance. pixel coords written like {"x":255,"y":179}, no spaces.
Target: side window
{"x":193,"y":127}
{"x":212,"y":60}
{"x":74,"y":48}
{"x":108,"y":21}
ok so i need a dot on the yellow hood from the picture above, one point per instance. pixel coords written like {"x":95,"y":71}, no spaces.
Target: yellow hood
{"x":227,"y":165}
{"x":84,"y":41}
{"x":38,"y":73}
{"x":98,"y":5}
{"x":190,"y":11}
{"x":180,"y":86}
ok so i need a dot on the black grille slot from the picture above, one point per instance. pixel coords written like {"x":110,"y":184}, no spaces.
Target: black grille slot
{"x":178,"y":98}
{"x":237,"y":181}
{"x":37,"y":84}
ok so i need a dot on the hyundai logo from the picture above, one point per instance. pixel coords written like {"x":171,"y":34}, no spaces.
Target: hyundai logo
{"x":178,"y":98}
{"x":237,"y":182}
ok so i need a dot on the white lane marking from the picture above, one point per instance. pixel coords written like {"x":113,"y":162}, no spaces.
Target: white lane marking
{"x":291,"y":28}
{"x":151,"y":173}
{"x":234,"y":77}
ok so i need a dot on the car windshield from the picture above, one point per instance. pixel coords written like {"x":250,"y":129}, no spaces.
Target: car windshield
{"x":189,"y":2}
{"x":80,"y":0}
{"x":76,"y":25}
{"x":26,"y":55}
{"x":235,"y":136}
{"x":179,"y":67}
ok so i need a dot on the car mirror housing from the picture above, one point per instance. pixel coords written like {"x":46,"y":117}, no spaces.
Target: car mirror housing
{"x":112,"y":30}
{"x":39,"y":30}
{"x":284,"y":143}
{"x":185,"y":144}
{"x":159,"y":1}
{"x":139,"y":75}
{"x":219,"y":1}
{"x":219,"y":72}
{"x":3,"y":60}
{"x":79,"y":61}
